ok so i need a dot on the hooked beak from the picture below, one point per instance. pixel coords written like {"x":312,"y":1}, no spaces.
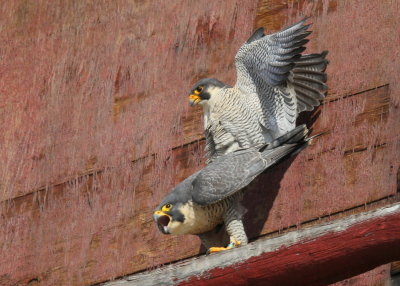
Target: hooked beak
{"x":162,"y":220}
{"x":194,"y":99}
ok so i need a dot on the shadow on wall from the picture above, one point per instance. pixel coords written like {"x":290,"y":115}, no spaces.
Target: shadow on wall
{"x":260,"y":196}
{"x":261,"y":193}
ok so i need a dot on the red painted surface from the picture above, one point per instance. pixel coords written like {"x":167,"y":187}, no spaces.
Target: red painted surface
{"x":67,"y":68}
{"x":330,"y":258}
{"x":86,"y":88}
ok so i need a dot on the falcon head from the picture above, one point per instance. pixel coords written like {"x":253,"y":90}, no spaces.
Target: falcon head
{"x":168,"y":216}
{"x":204,"y":89}
{"x":174,"y":215}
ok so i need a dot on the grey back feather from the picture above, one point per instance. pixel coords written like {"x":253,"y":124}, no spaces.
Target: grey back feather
{"x":232,"y":172}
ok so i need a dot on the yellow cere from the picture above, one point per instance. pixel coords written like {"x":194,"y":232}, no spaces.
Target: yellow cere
{"x":194,"y":97}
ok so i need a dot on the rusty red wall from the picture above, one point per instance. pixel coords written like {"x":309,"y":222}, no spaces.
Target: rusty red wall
{"x":95,"y":127}
{"x":87,"y":88}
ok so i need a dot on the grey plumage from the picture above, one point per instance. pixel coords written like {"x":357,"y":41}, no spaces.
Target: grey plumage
{"x":234,"y":171}
{"x":275,"y":82}
{"x":212,"y":195}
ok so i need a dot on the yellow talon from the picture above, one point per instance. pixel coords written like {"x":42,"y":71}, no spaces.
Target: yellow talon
{"x":216,"y":249}
{"x":231,"y":245}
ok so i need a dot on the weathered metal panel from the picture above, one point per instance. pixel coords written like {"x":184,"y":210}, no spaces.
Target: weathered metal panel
{"x":87,"y":88}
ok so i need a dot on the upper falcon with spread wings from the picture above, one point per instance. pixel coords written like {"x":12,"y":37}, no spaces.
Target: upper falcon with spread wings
{"x":275,"y":82}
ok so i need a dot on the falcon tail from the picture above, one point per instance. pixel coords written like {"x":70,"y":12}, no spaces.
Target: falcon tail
{"x":288,"y":144}
{"x":308,"y":78}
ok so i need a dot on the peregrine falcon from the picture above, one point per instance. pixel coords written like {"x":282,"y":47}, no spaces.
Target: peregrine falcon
{"x":212,"y":196}
{"x":275,"y":82}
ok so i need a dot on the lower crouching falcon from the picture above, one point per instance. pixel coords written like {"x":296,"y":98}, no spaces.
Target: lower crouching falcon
{"x":212,"y":196}
{"x":275,"y":82}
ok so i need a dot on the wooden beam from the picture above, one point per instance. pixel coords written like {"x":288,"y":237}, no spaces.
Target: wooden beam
{"x":318,"y":255}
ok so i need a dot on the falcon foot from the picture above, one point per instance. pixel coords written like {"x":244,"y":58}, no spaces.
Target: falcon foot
{"x":231,"y":245}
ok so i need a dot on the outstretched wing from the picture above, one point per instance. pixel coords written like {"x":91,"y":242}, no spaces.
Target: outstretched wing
{"x":270,"y":58}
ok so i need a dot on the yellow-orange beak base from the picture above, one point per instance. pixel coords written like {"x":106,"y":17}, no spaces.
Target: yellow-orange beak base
{"x":194,"y":99}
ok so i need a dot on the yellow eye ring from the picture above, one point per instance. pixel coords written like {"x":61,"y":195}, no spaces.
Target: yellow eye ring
{"x":166,"y":207}
{"x":198,"y":90}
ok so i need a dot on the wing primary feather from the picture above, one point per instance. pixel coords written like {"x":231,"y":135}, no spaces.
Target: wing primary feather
{"x":290,"y":30}
{"x":290,"y":137}
{"x":317,"y":75}
{"x":302,"y":36}
{"x":314,"y":94}
{"x":307,"y":105}
{"x":307,"y":98}
{"x":296,"y":44}
{"x":305,"y":86}
{"x":293,"y":38}
{"x":309,"y":80}
{"x":301,"y":107}
{"x":313,"y":59}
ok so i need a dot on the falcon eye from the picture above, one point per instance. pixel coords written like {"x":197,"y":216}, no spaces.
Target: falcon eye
{"x":166,"y":207}
{"x":198,"y":90}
